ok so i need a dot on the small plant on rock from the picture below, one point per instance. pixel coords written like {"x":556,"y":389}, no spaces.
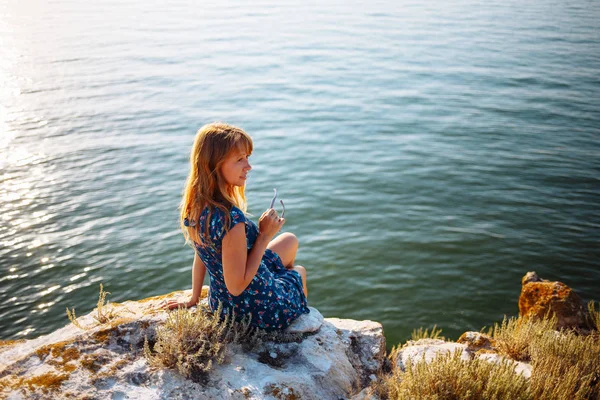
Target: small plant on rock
{"x":104,"y":313}
{"x":515,"y":335}
{"x":435,"y":333}
{"x":190,"y":342}
{"x":450,"y":377}
{"x":566,"y":365}
{"x":594,"y":316}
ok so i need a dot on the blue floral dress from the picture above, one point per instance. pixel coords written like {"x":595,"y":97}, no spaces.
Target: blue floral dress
{"x":274,"y":297}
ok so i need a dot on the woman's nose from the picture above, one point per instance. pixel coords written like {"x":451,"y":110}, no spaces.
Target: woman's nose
{"x":248,"y":166}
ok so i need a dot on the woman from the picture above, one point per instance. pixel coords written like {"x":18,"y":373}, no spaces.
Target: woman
{"x":251,"y":272}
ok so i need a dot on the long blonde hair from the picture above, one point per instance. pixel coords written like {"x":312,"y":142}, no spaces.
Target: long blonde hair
{"x":205,"y":186}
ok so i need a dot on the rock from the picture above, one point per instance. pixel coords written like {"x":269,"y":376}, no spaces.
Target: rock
{"x":337,"y":359}
{"x":307,"y":323}
{"x":365,"y":346}
{"x":365,"y":394}
{"x":477,"y":341}
{"x":531,"y":276}
{"x":538,"y":297}
{"x":427,"y":349}
{"x":522,"y":368}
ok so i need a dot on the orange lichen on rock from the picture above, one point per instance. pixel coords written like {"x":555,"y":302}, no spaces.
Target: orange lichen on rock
{"x":93,"y":363}
{"x":10,"y":382}
{"x":62,"y":356}
{"x":69,"y":354}
{"x":69,"y":367}
{"x":46,"y":382}
{"x":203,"y":294}
{"x":4,"y":343}
{"x":281,"y":392}
{"x":540,"y":298}
{"x":57,"y":350}
{"x":477,"y":342}
{"x":104,"y":335}
{"x":118,"y":365}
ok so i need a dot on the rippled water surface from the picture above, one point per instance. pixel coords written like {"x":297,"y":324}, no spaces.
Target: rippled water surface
{"x":429,"y":155}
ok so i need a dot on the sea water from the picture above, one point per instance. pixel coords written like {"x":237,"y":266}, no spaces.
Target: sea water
{"x":428,"y":154}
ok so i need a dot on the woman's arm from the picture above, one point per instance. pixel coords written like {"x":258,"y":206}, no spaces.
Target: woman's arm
{"x":239,"y":265}
{"x":198,"y":273}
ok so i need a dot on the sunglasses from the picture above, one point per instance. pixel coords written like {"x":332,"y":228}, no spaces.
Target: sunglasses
{"x":281,"y":201}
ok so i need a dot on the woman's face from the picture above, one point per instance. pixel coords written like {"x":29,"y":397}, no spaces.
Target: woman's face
{"x":235,"y":168}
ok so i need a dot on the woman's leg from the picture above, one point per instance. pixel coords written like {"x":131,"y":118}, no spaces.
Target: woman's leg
{"x":286,"y":246}
{"x":302,"y":271}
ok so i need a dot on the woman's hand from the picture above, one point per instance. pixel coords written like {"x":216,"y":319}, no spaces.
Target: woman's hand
{"x":172,"y":304}
{"x":270,"y":223}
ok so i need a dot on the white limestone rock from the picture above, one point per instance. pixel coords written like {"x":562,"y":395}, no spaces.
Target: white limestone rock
{"x":366,"y":344}
{"x":307,"y":323}
{"x":365,"y":394}
{"x":427,"y":349}
{"x":520,"y":367}
{"x":336,"y":359}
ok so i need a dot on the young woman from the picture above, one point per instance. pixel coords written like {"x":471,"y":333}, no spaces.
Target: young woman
{"x":251,"y":271}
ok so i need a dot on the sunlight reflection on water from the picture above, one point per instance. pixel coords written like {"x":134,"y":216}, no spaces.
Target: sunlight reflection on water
{"x":428,"y":154}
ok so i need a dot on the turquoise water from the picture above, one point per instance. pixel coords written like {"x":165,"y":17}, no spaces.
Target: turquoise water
{"x":429,"y":156}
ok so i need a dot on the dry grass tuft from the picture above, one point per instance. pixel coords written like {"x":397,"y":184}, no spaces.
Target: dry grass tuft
{"x":515,"y":335}
{"x":73,"y":318}
{"x":594,"y":316}
{"x":425,"y":334}
{"x":565,"y":365}
{"x":103,"y":315}
{"x":190,"y":342}
{"x":450,"y":377}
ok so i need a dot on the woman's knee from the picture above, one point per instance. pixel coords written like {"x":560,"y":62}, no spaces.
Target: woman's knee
{"x":286,"y":246}
{"x":290,"y":239}
{"x":301,"y":270}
